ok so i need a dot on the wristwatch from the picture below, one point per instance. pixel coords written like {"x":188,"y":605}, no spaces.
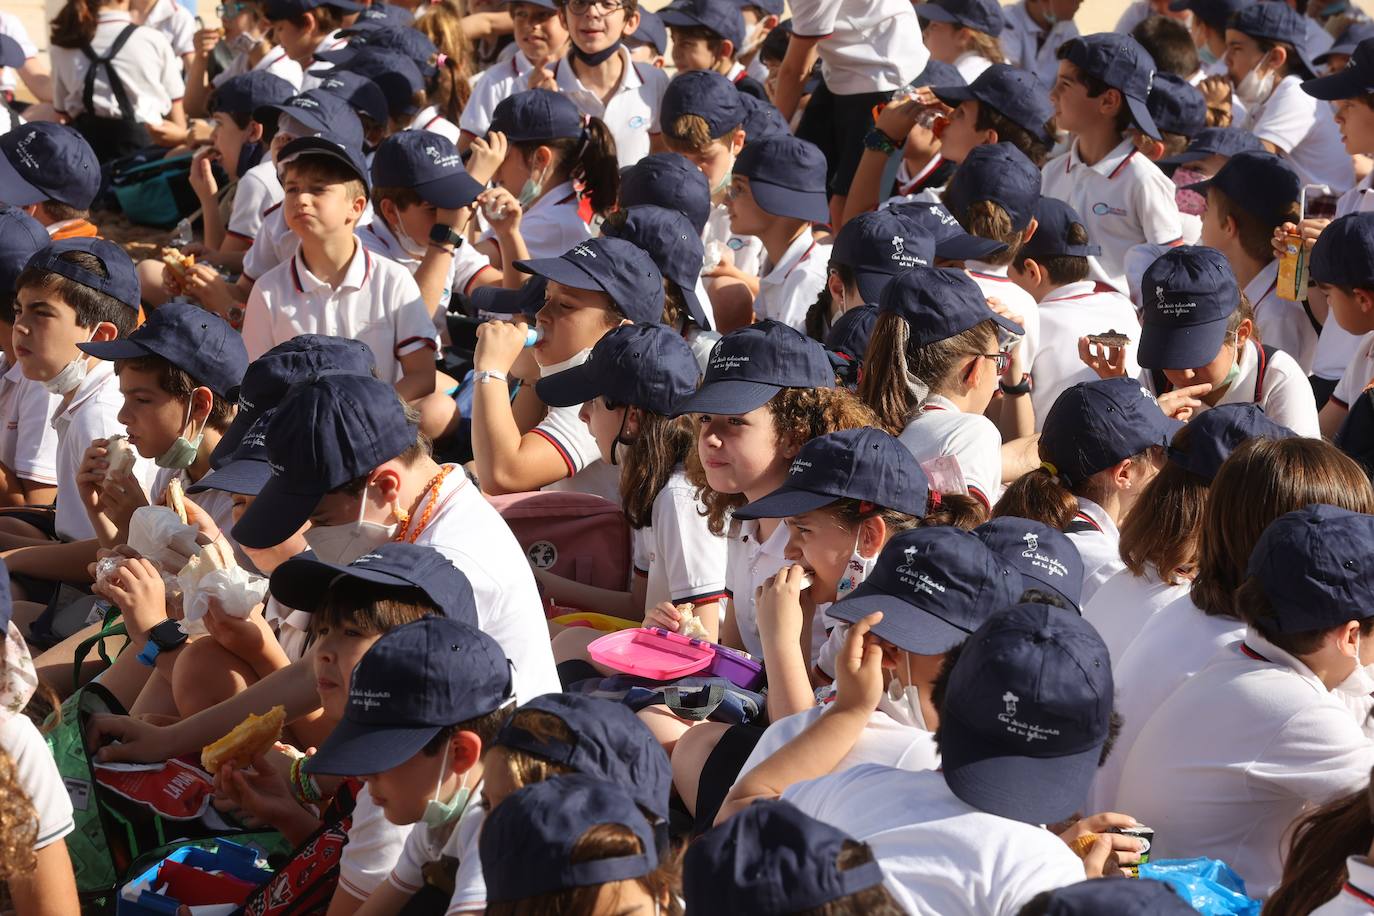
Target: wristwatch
{"x":164,"y":637}
{"x":1020,"y":388}
{"x":444,"y":236}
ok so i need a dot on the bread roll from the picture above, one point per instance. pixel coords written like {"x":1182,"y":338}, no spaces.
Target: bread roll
{"x":253,"y":736}
{"x":176,"y":499}
{"x":120,"y":455}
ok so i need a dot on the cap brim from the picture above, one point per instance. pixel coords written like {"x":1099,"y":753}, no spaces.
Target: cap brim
{"x":727,"y":397}
{"x":1199,"y":186}
{"x":968,"y":248}
{"x":871,"y":283}
{"x":303,"y":581}
{"x":694,"y":306}
{"x":269,"y":114}
{"x":680,"y":19}
{"x":1185,"y":157}
{"x":561,"y":271}
{"x":1074,"y":601}
{"x":776,"y":200}
{"x":953,"y":95}
{"x":1033,"y":790}
{"x":1347,"y":84}
{"x":784,"y":502}
{"x":275,"y":515}
{"x":1142,"y":117}
{"x":935,"y":13}
{"x":450,"y":192}
{"x":913,"y":629}
{"x":122,"y":348}
{"x":1007,"y":324}
{"x":244,"y":477}
{"x":14,"y":190}
{"x":362,"y":750}
{"x":323,"y":147}
{"x":1180,"y":348}
{"x":568,"y":388}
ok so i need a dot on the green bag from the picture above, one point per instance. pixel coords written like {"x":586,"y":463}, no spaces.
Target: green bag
{"x":156,"y":193}
{"x":115,"y":835}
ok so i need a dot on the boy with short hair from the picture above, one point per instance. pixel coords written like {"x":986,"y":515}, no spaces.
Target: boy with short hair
{"x":1169,"y":45}
{"x":304,"y":28}
{"x":1209,"y":30}
{"x":1101,"y":94}
{"x":1036,"y":30}
{"x":541,"y":38}
{"x":709,"y":35}
{"x":1341,"y":268}
{"x":52,"y":172}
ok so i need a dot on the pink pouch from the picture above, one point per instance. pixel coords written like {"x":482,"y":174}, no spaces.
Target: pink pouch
{"x":652,"y":652}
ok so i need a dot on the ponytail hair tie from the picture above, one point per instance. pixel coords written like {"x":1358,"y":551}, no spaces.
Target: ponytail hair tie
{"x":934,"y":501}
{"x":441,"y":58}
{"x":866,"y":507}
{"x":1051,"y":470}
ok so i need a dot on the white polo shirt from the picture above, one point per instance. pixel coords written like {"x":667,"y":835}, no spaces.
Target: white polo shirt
{"x":1335,"y":345}
{"x":1357,"y":893}
{"x":1123,"y":605}
{"x":13,"y":26}
{"x":748,"y":562}
{"x":1281,"y":322}
{"x":331,"y":42}
{"x":970,"y":64}
{"x":1066,"y":314}
{"x":429,"y":118}
{"x":1358,"y":375}
{"x":884,"y":741}
{"x":274,"y":62}
{"x":1286,"y":395}
{"x":682,"y":560}
{"x":176,"y":22}
{"x":941,"y":428}
{"x":570,"y":437}
{"x":28,"y":443}
{"x":259,"y":190}
{"x":488,"y":90}
{"x":374,"y":844}
{"x":89,"y":415}
{"x":376,"y":302}
{"x":272,"y":245}
{"x":1171,"y":647}
{"x":1099,"y":545}
{"x":1124,"y":200}
{"x":866,"y":45}
{"x":458,"y":842}
{"x":147,"y":66}
{"x":37,"y":775}
{"x":790,"y":287}
{"x":1029,"y":47}
{"x":1227,"y":762}
{"x":632,"y":113}
{"x":940,"y":856}
{"x":995,"y":284}
{"x":465,"y":265}
{"x":1305,"y":131}
{"x":746,"y":251}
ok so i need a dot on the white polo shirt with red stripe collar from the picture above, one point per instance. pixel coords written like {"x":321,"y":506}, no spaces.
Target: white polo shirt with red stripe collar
{"x":1066,"y":314}
{"x":494,"y":84}
{"x":377,"y":302}
{"x":1124,"y":200}
{"x":464,"y":267}
{"x":1357,"y":893}
{"x":941,"y":428}
{"x":790,"y":287}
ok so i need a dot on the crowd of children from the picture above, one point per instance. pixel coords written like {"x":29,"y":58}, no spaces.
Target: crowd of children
{"x":689,"y":461}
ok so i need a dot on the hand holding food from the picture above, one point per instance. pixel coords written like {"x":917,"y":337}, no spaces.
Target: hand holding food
{"x":252,"y":737}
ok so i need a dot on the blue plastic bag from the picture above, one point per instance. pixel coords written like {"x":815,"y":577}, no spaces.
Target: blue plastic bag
{"x":1208,"y":885}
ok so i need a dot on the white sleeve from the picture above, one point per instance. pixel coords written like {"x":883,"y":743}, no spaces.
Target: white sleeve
{"x":372,"y":851}
{"x":469,"y":884}
{"x":414,"y":326}
{"x":257,"y":325}
{"x":1288,"y":117}
{"x":1346,"y":903}
{"x":38,"y":777}
{"x":251,"y":200}
{"x":694,"y":557}
{"x":258,"y":259}
{"x":408,"y":875}
{"x":567,"y":433}
{"x":776,"y":735}
{"x":35,"y":446}
{"x":1157,"y":208}
{"x":815,"y":18}
{"x":172,"y":80}
{"x":183,"y":35}
{"x":468,"y":262}
{"x":1319,"y":754}
{"x":1357,"y":375}
{"x":1288,"y":396}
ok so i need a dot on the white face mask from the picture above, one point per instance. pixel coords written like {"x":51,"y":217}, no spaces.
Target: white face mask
{"x":244,"y":42}
{"x":70,"y":377}
{"x":902,"y":702}
{"x":1256,"y":85}
{"x":576,"y":359}
{"x":342,"y":544}
{"x":855,"y":571}
{"x":408,"y":244}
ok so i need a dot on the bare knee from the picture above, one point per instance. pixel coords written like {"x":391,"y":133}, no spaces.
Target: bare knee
{"x":667,"y":728}
{"x":206,"y":673}
{"x":571,"y":644}
{"x":439,"y":414}
{"x":689,"y":758}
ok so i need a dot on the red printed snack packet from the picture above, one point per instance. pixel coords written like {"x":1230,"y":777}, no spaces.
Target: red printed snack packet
{"x":174,"y":790}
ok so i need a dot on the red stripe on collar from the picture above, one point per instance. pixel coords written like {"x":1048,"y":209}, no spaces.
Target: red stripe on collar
{"x":1357,"y":893}
{"x":1116,"y":171}
{"x":1087,"y":519}
{"x":1251,"y":653}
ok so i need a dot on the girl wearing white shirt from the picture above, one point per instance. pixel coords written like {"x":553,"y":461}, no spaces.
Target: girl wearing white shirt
{"x":963,"y":33}
{"x":247,"y":33}
{"x":1329,"y":869}
{"x":542,"y":39}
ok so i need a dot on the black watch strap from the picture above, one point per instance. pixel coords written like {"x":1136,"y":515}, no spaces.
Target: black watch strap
{"x":443,"y":235}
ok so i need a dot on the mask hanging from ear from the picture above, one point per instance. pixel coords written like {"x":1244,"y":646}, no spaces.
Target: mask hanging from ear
{"x":532,"y":190}
{"x":438,"y":814}
{"x":902,"y":702}
{"x":181,"y":454}
{"x":855,"y":571}
{"x":244,"y":42}
{"x":1206,"y":56}
{"x":1256,"y":86}
{"x":70,"y":376}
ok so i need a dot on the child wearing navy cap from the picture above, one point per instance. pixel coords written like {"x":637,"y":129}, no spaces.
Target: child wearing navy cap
{"x":1262,"y":731}
{"x":1003,"y":104}
{"x":1099,"y":96}
{"x":592,"y":288}
{"x":541,"y":38}
{"x":248,"y":34}
{"x":53,"y":174}
{"x":1340,"y":269}
{"x":539,"y":148}
{"x":709,"y":35}
{"x":932,"y":368}
{"x":304,"y":28}
{"x":963,"y":33}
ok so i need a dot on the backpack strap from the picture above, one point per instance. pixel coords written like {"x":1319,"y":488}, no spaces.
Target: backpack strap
{"x":126,"y":111}
{"x":1266,"y":353}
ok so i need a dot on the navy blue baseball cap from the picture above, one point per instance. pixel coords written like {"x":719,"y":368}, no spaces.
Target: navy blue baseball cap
{"x":934,"y":586}
{"x":939,"y":302}
{"x":618,"y":268}
{"x":750,"y":365}
{"x":1176,"y":105}
{"x":1356,"y":80}
{"x":1093,"y":425}
{"x":849,"y":335}
{"x":771,"y":858}
{"x":1214,"y":434}
{"x":671,"y":181}
{"x":365,"y":96}
{"x":11,"y":55}
{"x":319,"y":111}
{"x":327,"y":146}
{"x":879,"y":245}
{"x":608,"y":742}
{"x":952,"y":242}
{"x":1045,"y":557}
{"x":527,"y":842}
{"x":1315,"y":568}
{"x":1135,"y":897}
{"x":405,"y":40}
{"x":651,"y":31}
{"x":648,"y":366}
{"x":394,"y":73}
{"x":676,"y":249}
{"x":1276,"y":22}
{"x":1120,"y":62}
{"x":1014,"y":93}
{"x":720,"y":16}
{"x":21,"y":237}
{"x":769,"y":7}
{"x":428,"y":164}
{"x":276,"y":10}
{"x":200,"y":343}
{"x":42,"y":161}
{"x":704,"y":93}
{"x":1215,"y":141}
{"x":327,"y":432}
{"x":762,"y":119}
{"x":1261,"y":183}
{"x":305,"y":582}
{"x":270,"y":377}
{"x":1190,"y":293}
{"x":537,"y":114}
{"x":414,"y":682}
{"x":939,"y":73}
{"x":1355,"y":33}
{"x":380,"y":15}
{"x":1214,"y":13}
{"x":247,"y":92}
{"x":866,"y":464}
{"x":1027,"y":709}
{"x":500,"y":303}
{"x":119,"y":283}
{"x":786,"y":177}
{"x":998,"y":172}
{"x":1054,"y":220}
{"x":243,"y":469}
{"x":1344,"y":253}
{"x":980,"y":15}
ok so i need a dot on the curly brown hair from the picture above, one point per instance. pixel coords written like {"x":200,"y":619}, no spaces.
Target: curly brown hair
{"x":18,"y":824}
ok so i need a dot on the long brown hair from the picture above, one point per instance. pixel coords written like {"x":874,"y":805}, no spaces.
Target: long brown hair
{"x":989,"y":220}
{"x":1045,"y":497}
{"x":442,"y":24}
{"x":661,"y":444}
{"x":1321,"y":840}
{"x":590,"y":159}
{"x":1160,"y":533}
{"x":799,"y":415}
{"x":1262,"y":480}
{"x":74,"y":25}
{"x":892,"y":356}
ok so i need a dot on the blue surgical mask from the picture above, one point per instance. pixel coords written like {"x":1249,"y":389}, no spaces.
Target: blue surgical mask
{"x":438,"y":814}
{"x":181,"y":454}
{"x":1205,"y":55}
{"x":530,"y":191}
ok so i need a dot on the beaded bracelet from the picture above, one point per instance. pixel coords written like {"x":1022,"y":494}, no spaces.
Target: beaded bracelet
{"x":303,"y":785}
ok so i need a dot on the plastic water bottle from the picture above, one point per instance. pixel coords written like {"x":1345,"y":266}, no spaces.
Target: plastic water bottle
{"x":533,"y":336}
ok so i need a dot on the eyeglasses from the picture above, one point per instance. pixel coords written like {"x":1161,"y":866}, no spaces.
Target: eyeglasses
{"x":1001,"y":359}
{"x":230,"y":10}
{"x":580,"y":7}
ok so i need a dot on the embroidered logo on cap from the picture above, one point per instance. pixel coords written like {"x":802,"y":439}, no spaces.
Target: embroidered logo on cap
{"x":799,"y":466}
{"x":584,"y":251}
{"x":1032,"y":543}
{"x":728,"y":362}
{"x":1011,"y":700}
{"x":21,"y":151}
